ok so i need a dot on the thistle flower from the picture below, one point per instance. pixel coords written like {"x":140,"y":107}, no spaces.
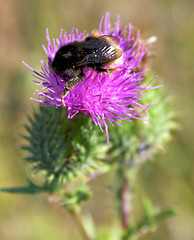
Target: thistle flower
{"x":105,"y":97}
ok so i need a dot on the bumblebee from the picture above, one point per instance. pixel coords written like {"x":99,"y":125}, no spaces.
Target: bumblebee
{"x":94,"y":52}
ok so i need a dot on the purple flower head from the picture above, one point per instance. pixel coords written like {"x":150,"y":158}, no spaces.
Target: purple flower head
{"x":105,"y":97}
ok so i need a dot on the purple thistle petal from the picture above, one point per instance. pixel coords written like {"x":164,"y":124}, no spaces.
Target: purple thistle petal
{"x":100,"y":25}
{"x":104,"y":97}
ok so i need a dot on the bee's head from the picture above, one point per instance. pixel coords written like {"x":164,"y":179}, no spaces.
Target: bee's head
{"x":66,"y":57}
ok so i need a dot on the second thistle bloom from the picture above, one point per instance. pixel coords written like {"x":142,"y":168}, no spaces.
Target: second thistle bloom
{"x":110,"y":96}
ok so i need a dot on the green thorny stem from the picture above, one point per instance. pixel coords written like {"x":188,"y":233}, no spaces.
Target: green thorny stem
{"x":76,"y":214}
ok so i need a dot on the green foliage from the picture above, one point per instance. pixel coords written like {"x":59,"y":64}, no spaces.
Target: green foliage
{"x":75,"y":197}
{"x":161,"y":116}
{"x":61,"y":146}
{"x":149,"y":221}
{"x":137,"y":141}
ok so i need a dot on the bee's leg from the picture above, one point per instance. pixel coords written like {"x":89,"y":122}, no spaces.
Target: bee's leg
{"x":63,"y":95}
{"x":104,"y":70}
{"x":70,"y":85}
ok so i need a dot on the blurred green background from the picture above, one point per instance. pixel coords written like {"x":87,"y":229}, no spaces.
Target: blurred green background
{"x":168,"y":180}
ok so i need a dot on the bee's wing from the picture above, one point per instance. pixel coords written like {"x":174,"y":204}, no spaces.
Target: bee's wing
{"x":105,"y":52}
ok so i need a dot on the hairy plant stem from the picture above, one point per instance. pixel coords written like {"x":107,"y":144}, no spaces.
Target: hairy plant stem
{"x":80,"y":223}
{"x":123,"y":197}
{"x":125,"y":203}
